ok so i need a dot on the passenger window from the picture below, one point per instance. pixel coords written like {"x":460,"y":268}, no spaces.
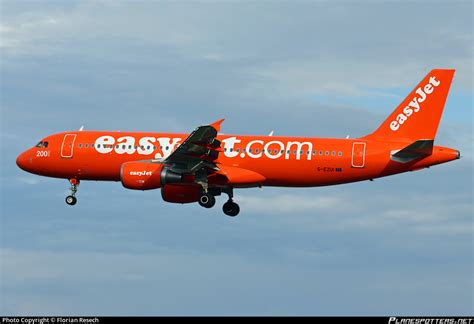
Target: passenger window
{"x":86,"y":145}
{"x":275,"y":151}
{"x":340,"y":153}
{"x":80,"y":145}
{"x":98,"y":145}
{"x":294,"y":152}
{"x":92,"y":145}
{"x":256,"y":150}
{"x":333,"y":153}
{"x":321,"y":153}
{"x":327,"y":153}
{"x":237,"y":150}
{"x":148,"y":147}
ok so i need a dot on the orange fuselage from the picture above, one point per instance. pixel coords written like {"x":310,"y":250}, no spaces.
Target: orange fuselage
{"x":282,"y":161}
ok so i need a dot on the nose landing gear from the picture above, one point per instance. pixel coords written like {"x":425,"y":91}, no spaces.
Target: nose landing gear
{"x":71,"y":200}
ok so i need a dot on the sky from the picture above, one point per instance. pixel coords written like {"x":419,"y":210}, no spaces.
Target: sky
{"x":399,"y":245}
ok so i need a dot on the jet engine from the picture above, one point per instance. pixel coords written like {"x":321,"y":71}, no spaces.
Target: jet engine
{"x":138,"y":175}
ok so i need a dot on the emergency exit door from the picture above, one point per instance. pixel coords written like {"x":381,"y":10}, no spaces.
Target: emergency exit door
{"x":358,"y":154}
{"x":67,"y":149}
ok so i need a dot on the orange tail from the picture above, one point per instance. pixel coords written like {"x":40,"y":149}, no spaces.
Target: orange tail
{"x":417,"y":117}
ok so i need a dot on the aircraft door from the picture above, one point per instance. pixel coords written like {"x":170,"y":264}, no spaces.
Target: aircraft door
{"x":67,"y":147}
{"x":358,"y":154}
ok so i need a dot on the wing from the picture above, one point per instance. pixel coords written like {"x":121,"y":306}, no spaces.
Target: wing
{"x":197,"y":152}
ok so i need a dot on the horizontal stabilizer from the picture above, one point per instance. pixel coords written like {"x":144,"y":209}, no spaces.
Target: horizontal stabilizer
{"x":417,"y":150}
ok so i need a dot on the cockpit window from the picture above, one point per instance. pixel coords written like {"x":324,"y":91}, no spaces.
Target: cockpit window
{"x":42,"y":144}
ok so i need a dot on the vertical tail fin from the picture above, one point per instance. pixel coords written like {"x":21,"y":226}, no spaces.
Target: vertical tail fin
{"x":418,"y":116}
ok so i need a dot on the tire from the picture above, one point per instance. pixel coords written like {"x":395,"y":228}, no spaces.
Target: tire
{"x":207,"y":200}
{"x":71,"y":200}
{"x":231,"y":209}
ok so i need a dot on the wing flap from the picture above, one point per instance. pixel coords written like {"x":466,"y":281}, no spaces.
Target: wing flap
{"x":240,"y":176}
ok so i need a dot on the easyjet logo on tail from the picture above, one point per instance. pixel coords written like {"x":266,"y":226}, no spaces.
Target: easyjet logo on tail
{"x":414,"y":105}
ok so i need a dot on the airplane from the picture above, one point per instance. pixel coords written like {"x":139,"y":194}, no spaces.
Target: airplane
{"x":199,"y":166}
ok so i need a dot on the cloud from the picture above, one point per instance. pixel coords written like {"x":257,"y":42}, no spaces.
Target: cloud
{"x":308,"y":69}
{"x":289,"y":203}
{"x":29,"y":180}
{"x":429,"y":213}
{"x":277,"y":50}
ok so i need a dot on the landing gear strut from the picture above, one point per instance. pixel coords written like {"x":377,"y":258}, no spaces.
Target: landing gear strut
{"x":71,"y":200}
{"x":230,"y":208}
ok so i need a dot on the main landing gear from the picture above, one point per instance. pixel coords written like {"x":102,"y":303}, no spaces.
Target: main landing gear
{"x":231,"y":209}
{"x":208,"y":200}
{"x":71,"y":200}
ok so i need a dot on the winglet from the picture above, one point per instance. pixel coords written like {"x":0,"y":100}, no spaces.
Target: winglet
{"x":217,"y":125}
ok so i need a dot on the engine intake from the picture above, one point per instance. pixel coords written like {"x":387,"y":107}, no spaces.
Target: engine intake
{"x":146,"y":175}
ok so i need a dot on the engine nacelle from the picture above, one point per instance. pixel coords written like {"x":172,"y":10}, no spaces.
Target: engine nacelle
{"x":180,"y":194}
{"x":146,"y":175}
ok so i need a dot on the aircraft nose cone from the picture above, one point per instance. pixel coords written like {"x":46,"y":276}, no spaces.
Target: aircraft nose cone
{"x":23,"y":161}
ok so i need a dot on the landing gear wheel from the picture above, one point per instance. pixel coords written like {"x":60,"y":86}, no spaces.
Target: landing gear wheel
{"x":207,"y":200}
{"x":71,"y":200}
{"x":231,"y":209}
